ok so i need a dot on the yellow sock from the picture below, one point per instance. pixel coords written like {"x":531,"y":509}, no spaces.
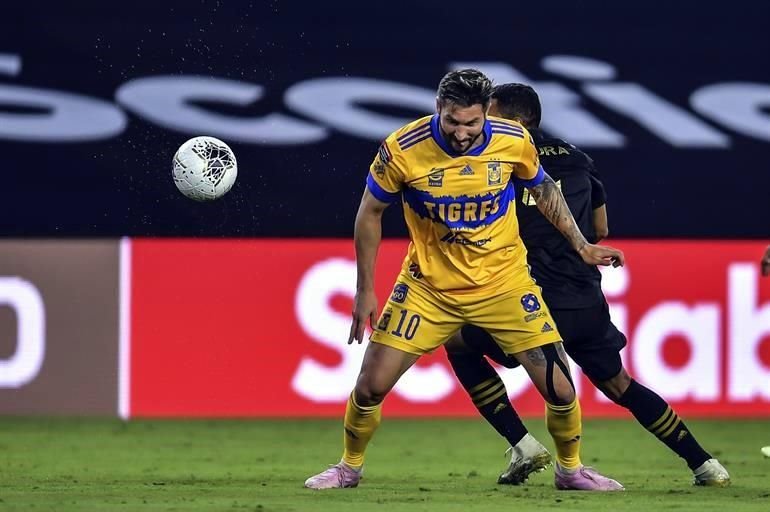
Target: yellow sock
{"x":360,"y":424}
{"x":565,"y":427}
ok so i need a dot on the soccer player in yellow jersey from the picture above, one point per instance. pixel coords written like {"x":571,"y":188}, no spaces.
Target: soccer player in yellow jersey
{"x":456,"y":172}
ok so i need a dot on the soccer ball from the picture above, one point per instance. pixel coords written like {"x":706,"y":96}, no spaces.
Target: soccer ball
{"x":204,"y":168}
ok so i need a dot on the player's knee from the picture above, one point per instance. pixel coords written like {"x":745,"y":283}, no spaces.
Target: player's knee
{"x":559,"y":386}
{"x":615,"y":387}
{"x":563,"y":393}
{"x":369,"y":391}
{"x":367,"y":395}
{"x":557,"y":389}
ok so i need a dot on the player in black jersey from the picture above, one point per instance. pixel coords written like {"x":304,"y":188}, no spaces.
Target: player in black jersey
{"x":574,"y":296}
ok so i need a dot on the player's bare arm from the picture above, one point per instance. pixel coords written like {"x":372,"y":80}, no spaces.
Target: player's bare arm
{"x":552,"y":205}
{"x":601,"y":227}
{"x":367,"y":236}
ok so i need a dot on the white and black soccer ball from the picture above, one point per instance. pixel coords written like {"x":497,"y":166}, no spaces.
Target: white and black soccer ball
{"x":204,"y":168}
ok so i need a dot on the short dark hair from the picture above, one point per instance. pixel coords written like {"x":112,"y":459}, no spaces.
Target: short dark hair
{"x":465,"y":87}
{"x":518,"y":101}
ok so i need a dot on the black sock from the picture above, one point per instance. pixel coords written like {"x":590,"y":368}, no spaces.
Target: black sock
{"x":656,"y":415}
{"x":488,"y":393}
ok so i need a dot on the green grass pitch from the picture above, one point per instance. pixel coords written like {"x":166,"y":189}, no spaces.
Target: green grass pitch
{"x":414,"y":465}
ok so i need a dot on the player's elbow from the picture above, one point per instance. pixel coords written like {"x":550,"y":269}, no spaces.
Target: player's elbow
{"x":602,"y":233}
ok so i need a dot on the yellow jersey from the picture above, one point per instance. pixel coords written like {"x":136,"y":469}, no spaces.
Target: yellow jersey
{"x":459,"y":208}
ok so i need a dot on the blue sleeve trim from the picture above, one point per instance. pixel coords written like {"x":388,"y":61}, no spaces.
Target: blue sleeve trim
{"x":533,"y":182}
{"x":380,"y":193}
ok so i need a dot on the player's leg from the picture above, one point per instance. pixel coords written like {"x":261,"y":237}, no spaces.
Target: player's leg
{"x":482,"y":383}
{"x":466,"y":351}
{"x":657,"y":416}
{"x":380,"y":370}
{"x":549,"y":371}
{"x":547,"y":368}
{"x":651,"y":411}
{"x":412,"y":323}
{"x":521,"y":325}
{"x":594,"y":343}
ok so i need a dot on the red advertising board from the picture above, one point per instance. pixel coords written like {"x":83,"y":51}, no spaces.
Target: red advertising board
{"x":259,"y":328}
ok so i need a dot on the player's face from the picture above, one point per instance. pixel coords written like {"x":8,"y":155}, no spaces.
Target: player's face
{"x":461,"y":126}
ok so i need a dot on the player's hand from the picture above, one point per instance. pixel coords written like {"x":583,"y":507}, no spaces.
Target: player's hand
{"x":766,"y":262}
{"x":602,"y":255}
{"x":364,"y":310}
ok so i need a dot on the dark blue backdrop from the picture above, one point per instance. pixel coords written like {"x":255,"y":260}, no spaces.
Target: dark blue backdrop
{"x":672,"y":101}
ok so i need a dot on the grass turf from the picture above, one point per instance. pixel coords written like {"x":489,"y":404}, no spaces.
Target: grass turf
{"x":432,"y":465}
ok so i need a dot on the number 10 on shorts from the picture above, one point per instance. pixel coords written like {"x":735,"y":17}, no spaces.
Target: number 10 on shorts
{"x":406,"y":326}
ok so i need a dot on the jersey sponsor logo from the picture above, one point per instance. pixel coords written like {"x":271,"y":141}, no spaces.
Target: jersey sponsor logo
{"x":494,"y":173}
{"x":466,"y":171}
{"x":458,"y":238}
{"x":399,"y":293}
{"x":535,"y":316}
{"x":461,"y":212}
{"x":436,"y":177}
{"x":530,"y":303}
{"x":546,"y":327}
{"x":414,"y":270}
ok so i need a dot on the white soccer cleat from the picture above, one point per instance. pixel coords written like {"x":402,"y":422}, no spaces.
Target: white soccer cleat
{"x":527,"y":457}
{"x":711,"y":473}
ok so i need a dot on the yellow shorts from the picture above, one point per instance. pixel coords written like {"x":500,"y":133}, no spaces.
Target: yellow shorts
{"x":418,"y":319}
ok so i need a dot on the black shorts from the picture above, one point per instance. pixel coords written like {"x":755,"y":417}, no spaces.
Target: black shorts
{"x":590,"y":339}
